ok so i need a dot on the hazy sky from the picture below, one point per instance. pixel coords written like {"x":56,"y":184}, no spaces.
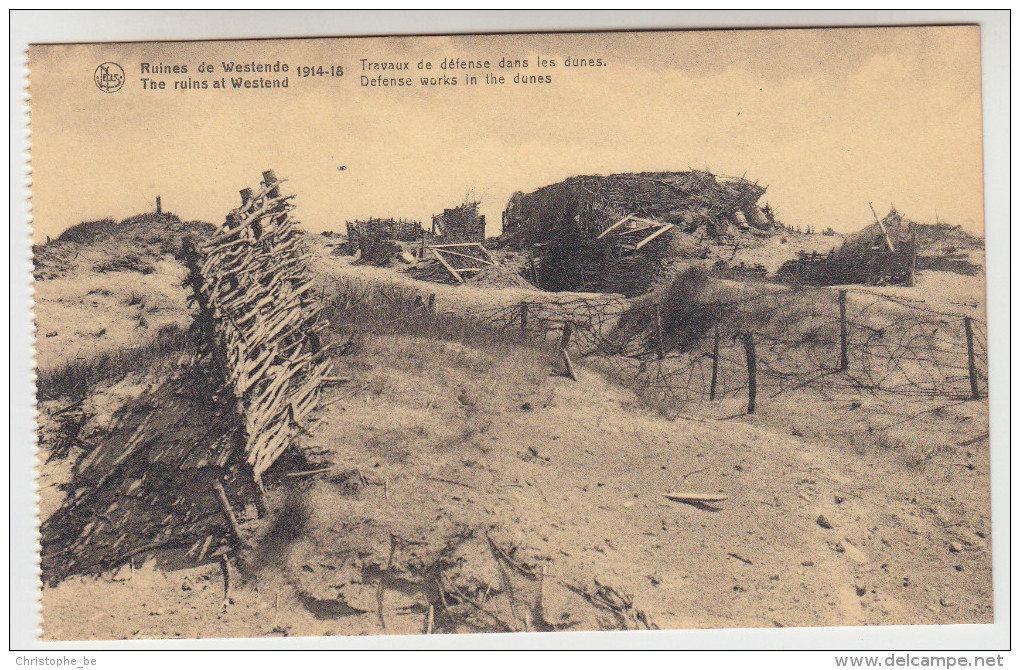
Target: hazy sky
{"x":827,"y":119}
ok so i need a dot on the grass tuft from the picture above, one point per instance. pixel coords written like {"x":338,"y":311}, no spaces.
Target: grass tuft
{"x":75,"y":378}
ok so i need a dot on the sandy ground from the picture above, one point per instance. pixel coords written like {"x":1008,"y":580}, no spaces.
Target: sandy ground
{"x":80,"y":316}
{"x":568,"y":478}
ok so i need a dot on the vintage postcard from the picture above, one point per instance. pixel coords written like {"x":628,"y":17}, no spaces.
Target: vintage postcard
{"x":516,"y":332}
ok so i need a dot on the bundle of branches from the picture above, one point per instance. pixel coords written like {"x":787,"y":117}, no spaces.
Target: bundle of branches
{"x":462,"y":223}
{"x":377,"y":250}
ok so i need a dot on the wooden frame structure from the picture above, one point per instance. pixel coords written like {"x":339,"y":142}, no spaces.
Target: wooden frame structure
{"x":462,"y":257}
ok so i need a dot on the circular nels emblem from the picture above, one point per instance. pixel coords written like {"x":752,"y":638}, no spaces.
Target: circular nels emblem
{"x":109,"y":77}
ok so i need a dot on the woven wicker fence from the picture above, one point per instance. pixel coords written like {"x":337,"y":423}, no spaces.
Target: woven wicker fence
{"x":260,"y":318}
{"x":192,"y":448}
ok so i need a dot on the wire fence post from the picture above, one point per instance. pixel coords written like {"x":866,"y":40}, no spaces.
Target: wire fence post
{"x":752,"y":381}
{"x":844,"y":353}
{"x":660,"y":347}
{"x":568,"y":330}
{"x":715,"y":363}
{"x":524,"y":317}
{"x":975,"y":392}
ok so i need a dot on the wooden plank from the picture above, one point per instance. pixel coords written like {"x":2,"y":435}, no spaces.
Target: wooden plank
{"x":694,"y":496}
{"x":615,"y":226}
{"x":439,"y":256}
{"x":481,"y":247}
{"x":651,"y":237}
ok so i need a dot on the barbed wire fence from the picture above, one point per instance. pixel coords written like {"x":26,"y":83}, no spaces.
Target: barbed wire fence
{"x":768,"y":342}
{"x":775,"y":342}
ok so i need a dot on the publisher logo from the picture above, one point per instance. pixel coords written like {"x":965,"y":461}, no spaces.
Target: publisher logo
{"x":109,"y":77}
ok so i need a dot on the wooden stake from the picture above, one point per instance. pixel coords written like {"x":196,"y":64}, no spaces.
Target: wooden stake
{"x":568,"y":329}
{"x":913,"y":254}
{"x":524,"y":317}
{"x":225,"y":567}
{"x":715,"y":363}
{"x":975,"y":392}
{"x":228,"y":511}
{"x":269,"y":179}
{"x":752,"y":381}
{"x":844,"y":354}
{"x":660,"y":347}
{"x":568,"y":364}
{"x":159,"y":205}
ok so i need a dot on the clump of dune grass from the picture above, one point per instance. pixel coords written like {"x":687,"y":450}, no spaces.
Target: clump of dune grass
{"x":364,"y":307}
{"x":75,"y":378}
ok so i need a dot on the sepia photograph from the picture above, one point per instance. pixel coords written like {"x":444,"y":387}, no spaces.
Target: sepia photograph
{"x":504,"y":333}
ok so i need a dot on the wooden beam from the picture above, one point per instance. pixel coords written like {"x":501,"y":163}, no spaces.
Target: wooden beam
{"x":882,"y":226}
{"x":228,"y":513}
{"x":653,"y":236}
{"x":488,"y":255}
{"x":649,"y":221}
{"x":640,"y":229}
{"x":468,"y":256}
{"x":615,"y":226}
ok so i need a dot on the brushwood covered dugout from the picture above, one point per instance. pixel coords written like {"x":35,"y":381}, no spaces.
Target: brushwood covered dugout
{"x":562,"y":224}
{"x":592,"y":203}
